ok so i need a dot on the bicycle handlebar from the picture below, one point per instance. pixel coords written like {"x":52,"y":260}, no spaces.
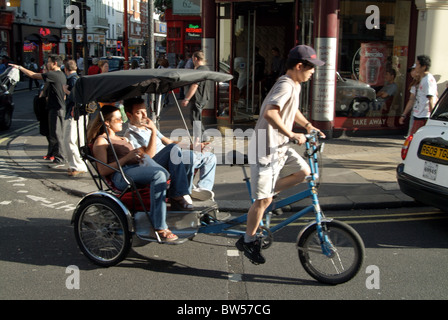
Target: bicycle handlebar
{"x":314,"y":134}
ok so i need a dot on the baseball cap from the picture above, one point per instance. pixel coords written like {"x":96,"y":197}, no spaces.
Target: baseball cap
{"x":303,"y":52}
{"x":413,"y":67}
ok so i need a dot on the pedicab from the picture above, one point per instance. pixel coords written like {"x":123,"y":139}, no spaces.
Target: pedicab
{"x":108,"y":221}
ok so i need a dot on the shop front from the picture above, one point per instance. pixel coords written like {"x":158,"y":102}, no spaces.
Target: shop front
{"x":254,"y":37}
{"x":6,"y":19}
{"x":35,"y":43}
{"x":376,"y":47}
{"x":183,"y":34}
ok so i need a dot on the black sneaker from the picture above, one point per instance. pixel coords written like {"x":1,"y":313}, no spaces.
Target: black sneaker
{"x":252,"y":250}
{"x":56,"y":163}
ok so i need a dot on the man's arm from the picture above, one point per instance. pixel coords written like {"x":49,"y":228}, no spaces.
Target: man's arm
{"x":189,"y":94}
{"x":272,"y":116}
{"x":431,"y":103}
{"x":301,"y":120}
{"x":29,"y":73}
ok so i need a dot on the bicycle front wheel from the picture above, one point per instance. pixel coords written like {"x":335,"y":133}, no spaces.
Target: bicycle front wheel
{"x":335,"y":260}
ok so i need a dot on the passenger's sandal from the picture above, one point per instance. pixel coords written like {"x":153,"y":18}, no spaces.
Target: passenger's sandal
{"x":167,"y":235}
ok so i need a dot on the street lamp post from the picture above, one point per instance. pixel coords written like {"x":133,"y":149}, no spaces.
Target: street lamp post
{"x":125,"y":35}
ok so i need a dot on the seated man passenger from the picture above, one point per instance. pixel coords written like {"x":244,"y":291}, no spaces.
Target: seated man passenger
{"x":139,"y":133}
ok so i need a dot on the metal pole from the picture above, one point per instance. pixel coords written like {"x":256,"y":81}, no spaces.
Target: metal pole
{"x":125,"y":35}
{"x":84,"y":37}
{"x":151,"y":55}
{"x":73,"y":37}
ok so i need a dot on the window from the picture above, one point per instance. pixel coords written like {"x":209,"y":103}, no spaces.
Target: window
{"x":366,"y":54}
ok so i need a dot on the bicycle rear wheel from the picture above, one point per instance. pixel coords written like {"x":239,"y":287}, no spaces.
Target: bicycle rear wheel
{"x":338,"y":259}
{"x":101,"y":230}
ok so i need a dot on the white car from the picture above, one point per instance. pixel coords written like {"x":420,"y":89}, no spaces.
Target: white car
{"x":423,"y":174}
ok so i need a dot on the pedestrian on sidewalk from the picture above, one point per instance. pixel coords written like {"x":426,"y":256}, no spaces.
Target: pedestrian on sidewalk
{"x":74,"y":129}
{"x":41,"y":112}
{"x":411,"y":102}
{"x":425,"y":95}
{"x":198,"y":94}
{"x":56,"y":105}
{"x":268,"y":149}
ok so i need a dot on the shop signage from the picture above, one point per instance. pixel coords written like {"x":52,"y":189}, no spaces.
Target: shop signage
{"x":193,"y":28}
{"x":372,"y":66}
{"x":187,"y":7}
{"x":29,"y":47}
{"x":193,"y":32}
{"x":48,"y":47}
{"x":324,"y":80}
{"x":44,"y":32}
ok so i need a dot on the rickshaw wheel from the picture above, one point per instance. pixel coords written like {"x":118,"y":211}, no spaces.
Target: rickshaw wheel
{"x":101,"y":231}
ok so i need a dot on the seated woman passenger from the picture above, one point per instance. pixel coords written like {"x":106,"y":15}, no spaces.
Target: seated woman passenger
{"x":129,"y":158}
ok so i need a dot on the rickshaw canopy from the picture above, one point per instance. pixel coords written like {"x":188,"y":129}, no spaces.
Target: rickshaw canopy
{"x":119,"y":85}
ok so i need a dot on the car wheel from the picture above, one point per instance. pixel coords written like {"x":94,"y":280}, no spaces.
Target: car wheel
{"x":5,"y":123}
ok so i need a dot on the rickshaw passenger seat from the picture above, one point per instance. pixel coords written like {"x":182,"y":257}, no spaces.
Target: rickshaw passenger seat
{"x":130,"y":198}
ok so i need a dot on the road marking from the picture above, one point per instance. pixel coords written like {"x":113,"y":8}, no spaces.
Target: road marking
{"x":233,"y":253}
{"x":375,"y":218}
{"x":235,"y":277}
{"x":12,"y":134}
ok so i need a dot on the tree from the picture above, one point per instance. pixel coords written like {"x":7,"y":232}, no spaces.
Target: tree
{"x":162,"y":5}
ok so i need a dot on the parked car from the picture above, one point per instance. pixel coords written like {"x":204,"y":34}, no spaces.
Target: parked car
{"x":423,"y":173}
{"x":116,"y":63}
{"x":140,"y":60}
{"x":353,"y":98}
{"x":8,"y":80}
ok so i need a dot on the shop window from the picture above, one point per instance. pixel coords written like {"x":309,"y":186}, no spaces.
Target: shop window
{"x":365,"y":55}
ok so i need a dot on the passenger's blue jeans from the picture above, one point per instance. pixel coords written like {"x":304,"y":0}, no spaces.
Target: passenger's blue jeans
{"x":206,"y":163}
{"x":156,"y":177}
{"x":181,"y":174}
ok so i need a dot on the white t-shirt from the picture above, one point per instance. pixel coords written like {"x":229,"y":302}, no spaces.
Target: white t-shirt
{"x":265,"y":140}
{"x":426,"y":87}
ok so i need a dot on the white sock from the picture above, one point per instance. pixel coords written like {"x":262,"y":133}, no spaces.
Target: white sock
{"x":248,"y":238}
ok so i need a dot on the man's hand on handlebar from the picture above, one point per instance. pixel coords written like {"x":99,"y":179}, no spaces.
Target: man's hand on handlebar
{"x":298,"y":138}
{"x":310,"y":128}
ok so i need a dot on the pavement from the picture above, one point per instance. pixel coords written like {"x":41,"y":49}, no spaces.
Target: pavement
{"x":356,"y":172}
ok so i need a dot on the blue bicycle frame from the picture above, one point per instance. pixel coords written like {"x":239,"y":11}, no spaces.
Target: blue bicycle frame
{"x":311,"y":149}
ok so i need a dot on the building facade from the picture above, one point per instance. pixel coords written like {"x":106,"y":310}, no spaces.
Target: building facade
{"x":359,"y":40}
{"x":36,"y":30}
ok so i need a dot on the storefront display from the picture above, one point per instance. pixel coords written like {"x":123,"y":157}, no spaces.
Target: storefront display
{"x":343,"y":93}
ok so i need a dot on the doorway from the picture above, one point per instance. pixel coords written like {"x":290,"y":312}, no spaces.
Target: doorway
{"x":248,"y":32}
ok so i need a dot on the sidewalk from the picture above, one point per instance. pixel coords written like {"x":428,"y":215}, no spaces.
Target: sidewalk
{"x":356,"y":172}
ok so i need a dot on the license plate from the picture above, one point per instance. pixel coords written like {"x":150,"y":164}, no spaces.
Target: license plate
{"x":434,"y":152}
{"x":430,"y":170}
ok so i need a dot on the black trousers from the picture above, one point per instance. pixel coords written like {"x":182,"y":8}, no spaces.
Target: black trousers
{"x":56,"y":134}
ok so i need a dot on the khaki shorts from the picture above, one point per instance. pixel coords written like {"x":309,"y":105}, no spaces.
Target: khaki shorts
{"x":264,"y":177}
